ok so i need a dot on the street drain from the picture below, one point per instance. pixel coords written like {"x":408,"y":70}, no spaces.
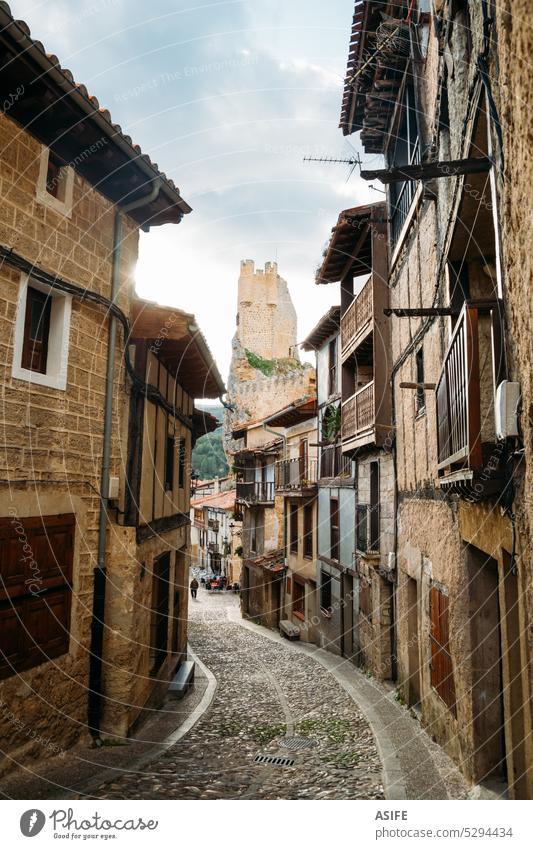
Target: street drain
{"x":296,"y":743}
{"x":270,"y":759}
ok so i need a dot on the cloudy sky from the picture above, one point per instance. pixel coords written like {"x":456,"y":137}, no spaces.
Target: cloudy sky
{"x":227,"y":97}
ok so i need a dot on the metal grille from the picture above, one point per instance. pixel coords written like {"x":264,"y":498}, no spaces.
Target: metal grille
{"x":270,"y":759}
{"x":295,"y":743}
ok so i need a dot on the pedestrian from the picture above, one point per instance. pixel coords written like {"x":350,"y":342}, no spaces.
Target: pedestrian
{"x":194,"y":587}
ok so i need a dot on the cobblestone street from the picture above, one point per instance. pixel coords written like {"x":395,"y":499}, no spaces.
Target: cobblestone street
{"x":267,"y":694}
{"x":264,"y":698}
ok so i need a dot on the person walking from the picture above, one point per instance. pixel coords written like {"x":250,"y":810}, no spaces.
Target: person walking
{"x":194,"y":587}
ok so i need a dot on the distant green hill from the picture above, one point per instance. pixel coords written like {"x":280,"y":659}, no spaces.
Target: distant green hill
{"x":208,"y":457}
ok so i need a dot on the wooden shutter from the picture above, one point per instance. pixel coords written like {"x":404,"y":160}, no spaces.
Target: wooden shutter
{"x":441,"y":659}
{"x":36,"y":330}
{"x":36,"y":557}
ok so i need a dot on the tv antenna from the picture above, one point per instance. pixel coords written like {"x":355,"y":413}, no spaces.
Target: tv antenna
{"x":351,"y":161}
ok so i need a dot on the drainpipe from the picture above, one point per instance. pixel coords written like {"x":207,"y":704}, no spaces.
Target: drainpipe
{"x":94,"y":712}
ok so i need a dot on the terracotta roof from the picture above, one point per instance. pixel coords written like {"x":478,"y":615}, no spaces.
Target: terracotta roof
{"x":274,"y":561}
{"x":222,"y":500}
{"x":350,"y":246}
{"x":266,"y":448}
{"x":63,"y":115}
{"x":328,"y":325}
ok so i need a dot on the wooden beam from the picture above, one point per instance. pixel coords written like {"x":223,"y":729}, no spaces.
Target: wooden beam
{"x":421,"y":312}
{"x":407,"y":385}
{"x":431,"y":170}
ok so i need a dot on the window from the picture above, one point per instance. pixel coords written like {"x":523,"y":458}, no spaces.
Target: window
{"x":293,"y":522}
{"x":374,"y":506}
{"x":405,"y":150}
{"x":169,"y":464}
{"x":361,"y":527}
{"x":298,"y":599}
{"x":41,"y":335}
{"x":420,"y":397}
{"x":332,"y":367}
{"x":308,"y":531}
{"x":441,"y":659}
{"x":325,"y":591}
{"x":288,"y":586}
{"x":36,"y":330}
{"x":334,"y":528}
{"x":35,"y":591}
{"x":182,"y":448}
{"x":56,"y":183}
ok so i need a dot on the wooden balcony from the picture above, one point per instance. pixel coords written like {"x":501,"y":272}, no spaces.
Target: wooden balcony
{"x":357,"y":321}
{"x":255,"y":492}
{"x":359,"y":418}
{"x":298,"y":475}
{"x":333,"y":463}
{"x":469,"y":457}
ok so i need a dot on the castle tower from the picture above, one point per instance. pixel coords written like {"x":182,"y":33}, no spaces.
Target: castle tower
{"x":265,"y":372}
{"x":266,"y":319}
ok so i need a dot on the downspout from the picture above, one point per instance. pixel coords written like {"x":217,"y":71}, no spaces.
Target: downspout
{"x":94,"y":708}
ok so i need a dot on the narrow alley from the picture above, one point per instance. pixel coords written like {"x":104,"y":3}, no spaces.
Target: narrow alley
{"x":277,"y":699}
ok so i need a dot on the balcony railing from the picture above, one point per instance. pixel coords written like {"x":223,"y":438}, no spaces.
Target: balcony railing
{"x":358,"y":413}
{"x":255,"y":492}
{"x":465,"y":390}
{"x":296,"y":474}
{"x":357,"y":317}
{"x":367,"y":528}
{"x":401,"y":204}
{"x":333,"y":463}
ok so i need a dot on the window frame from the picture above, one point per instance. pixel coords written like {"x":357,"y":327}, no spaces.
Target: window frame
{"x":57,"y":355}
{"x":62,"y":204}
{"x":36,"y":348}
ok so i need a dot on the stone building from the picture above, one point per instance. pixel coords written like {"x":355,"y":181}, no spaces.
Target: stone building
{"x":78,"y":590}
{"x":337,"y":585}
{"x":216,"y":535}
{"x":296,"y":481}
{"x":357,"y":258}
{"x":428,"y":101}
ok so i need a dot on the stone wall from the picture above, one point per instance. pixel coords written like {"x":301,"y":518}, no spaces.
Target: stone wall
{"x":266,"y":320}
{"x":51,"y":436}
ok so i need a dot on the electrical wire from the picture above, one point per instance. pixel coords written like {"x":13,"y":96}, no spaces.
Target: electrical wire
{"x":140,"y":387}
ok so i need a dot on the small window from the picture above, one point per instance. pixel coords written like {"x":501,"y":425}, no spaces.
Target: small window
{"x":325,"y":591}
{"x":41,"y":335}
{"x":56,"y":183}
{"x":182,"y":448}
{"x":334,"y":528}
{"x":332,"y":367}
{"x":308,"y":531}
{"x":361,"y":527}
{"x":298,"y":600}
{"x":169,"y":464}
{"x":294,"y":529}
{"x":420,"y":396}
{"x":36,"y":330}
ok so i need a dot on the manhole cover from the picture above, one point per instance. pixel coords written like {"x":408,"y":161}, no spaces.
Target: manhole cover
{"x":295,"y":743}
{"x":270,"y":759}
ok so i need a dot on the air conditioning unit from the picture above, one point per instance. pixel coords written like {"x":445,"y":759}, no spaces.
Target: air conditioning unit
{"x":506,"y":409}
